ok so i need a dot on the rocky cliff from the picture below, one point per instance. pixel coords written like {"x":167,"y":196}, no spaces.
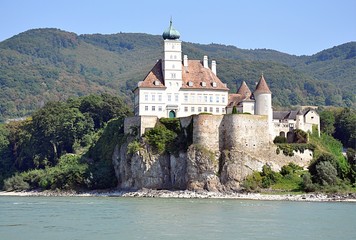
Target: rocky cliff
{"x":196,"y":169}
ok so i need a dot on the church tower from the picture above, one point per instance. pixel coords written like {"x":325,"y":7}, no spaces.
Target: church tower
{"x":172,"y":59}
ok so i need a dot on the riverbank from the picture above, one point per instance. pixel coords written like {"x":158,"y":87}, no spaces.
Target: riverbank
{"x":149,"y":193}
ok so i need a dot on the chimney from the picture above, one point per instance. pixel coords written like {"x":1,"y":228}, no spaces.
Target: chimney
{"x":205,"y":62}
{"x":213,"y":66}
{"x":185,"y":61}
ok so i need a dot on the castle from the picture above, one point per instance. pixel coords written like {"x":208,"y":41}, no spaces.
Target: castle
{"x":176,"y":88}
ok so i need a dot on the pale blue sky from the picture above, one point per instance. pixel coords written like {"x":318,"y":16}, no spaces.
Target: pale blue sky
{"x":300,"y":27}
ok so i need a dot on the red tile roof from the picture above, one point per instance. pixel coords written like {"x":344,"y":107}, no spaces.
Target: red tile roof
{"x":193,"y":76}
{"x":262,"y":86}
{"x":244,"y":90}
{"x":154,"y":75}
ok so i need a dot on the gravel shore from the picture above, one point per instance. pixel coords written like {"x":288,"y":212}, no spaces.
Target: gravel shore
{"x":149,"y":193}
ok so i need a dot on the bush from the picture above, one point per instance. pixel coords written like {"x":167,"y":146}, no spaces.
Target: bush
{"x":16,"y":183}
{"x":300,"y":136}
{"x":307,"y":183}
{"x":280,"y":139}
{"x":160,"y":138}
{"x":326,"y":174}
{"x":252,"y":182}
{"x":133,"y":147}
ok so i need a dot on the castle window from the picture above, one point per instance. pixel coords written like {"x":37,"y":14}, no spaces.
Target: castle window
{"x":223,"y":99}
{"x":169,"y":96}
{"x":213,"y":84}
{"x":160,"y":97}
{"x":146,"y":97}
{"x":185,"y":109}
{"x":192,"y":109}
{"x":173,"y":66}
{"x":223,"y":110}
{"x":199,"y":109}
{"x":185,"y":97}
{"x":199,"y":98}
{"x":153,"y":108}
{"x":171,"y":57}
{"x":175,"y":57}
{"x":192,"y":98}
{"x":176,"y":97}
{"x":146,"y":108}
{"x":211,"y":98}
{"x":160,"y":108}
{"x":205,"y":109}
{"x":217,"y":98}
{"x":203,"y":84}
{"x":153,"y":97}
{"x":190,"y":84}
{"x":217,"y":110}
{"x":211,"y":109}
{"x":205,"y":98}
{"x":173,"y":75}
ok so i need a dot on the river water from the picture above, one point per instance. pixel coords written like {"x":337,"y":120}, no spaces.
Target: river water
{"x":66,"y":218}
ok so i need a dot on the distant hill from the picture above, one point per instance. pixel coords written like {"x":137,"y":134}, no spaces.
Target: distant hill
{"x":41,"y":65}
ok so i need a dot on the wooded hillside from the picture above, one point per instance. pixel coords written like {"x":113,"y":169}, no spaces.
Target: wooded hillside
{"x":49,"y":64}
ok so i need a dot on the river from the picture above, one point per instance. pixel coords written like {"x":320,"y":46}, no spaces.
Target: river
{"x":71,"y":218}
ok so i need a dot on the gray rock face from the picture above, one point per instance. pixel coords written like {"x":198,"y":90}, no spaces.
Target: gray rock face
{"x":196,"y":169}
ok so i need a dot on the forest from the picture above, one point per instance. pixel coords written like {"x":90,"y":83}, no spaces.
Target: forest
{"x":44,"y":65}
{"x":68,"y":145}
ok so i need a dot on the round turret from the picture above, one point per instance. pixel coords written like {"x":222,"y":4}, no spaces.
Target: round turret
{"x":171,"y":33}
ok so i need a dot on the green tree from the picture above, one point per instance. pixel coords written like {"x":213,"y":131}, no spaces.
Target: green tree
{"x":327,"y":121}
{"x":345,"y":129}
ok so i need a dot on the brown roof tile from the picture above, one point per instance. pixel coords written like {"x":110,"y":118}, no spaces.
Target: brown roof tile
{"x":154,"y":75}
{"x":262,"y":86}
{"x":244,"y":90}
{"x":193,"y":76}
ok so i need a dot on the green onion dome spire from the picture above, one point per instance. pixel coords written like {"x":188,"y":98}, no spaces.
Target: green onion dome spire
{"x":171,"y":33}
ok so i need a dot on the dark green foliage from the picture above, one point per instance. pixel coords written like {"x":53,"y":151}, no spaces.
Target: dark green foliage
{"x":252,"y":182}
{"x":280,"y":139}
{"x":172,"y":124}
{"x":288,"y":149}
{"x":326,"y":170}
{"x":307,"y":183}
{"x":16,"y":183}
{"x":69,"y":173}
{"x":300,"y":136}
{"x":234,"y":110}
{"x":101,"y":169}
{"x":351,"y":158}
{"x":60,"y":128}
{"x":345,"y":128}
{"x":327,"y":121}
{"x":161,"y":138}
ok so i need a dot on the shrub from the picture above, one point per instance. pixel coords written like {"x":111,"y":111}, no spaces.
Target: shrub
{"x":280,"y":139}
{"x":326,"y":174}
{"x":16,"y":183}
{"x":300,"y":136}
{"x":133,"y":147}
{"x":252,"y":182}
{"x":307,"y":183}
{"x":160,"y":137}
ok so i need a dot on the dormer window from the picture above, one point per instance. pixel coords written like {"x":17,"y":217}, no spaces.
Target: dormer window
{"x":203,"y":84}
{"x":213,"y":84}
{"x":156,"y":83}
{"x":190,"y":84}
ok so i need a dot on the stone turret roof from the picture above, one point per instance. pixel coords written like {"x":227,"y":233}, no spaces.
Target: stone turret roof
{"x":262,"y":86}
{"x":195,"y":76}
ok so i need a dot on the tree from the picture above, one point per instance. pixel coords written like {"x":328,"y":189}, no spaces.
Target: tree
{"x":345,"y":129}
{"x":327,"y":121}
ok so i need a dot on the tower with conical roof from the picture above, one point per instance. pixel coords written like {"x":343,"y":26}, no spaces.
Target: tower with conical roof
{"x":263,"y":98}
{"x":172,"y":58}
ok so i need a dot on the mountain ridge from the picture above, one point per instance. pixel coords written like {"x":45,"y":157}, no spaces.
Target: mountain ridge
{"x":47,"y":64}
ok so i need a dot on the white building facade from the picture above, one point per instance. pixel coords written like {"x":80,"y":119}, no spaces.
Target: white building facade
{"x":180,"y":88}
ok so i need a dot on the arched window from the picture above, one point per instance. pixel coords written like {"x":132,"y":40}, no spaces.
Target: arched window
{"x":282,"y":134}
{"x":172,"y":114}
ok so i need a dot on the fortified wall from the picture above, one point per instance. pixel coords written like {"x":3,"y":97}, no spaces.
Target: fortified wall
{"x":225,"y":150}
